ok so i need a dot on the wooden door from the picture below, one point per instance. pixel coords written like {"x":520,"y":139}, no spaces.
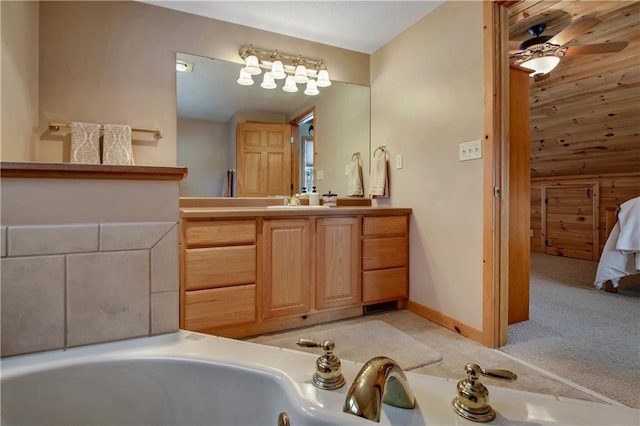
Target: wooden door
{"x":263,"y":159}
{"x":570,"y":218}
{"x":518,"y":195}
{"x":286,"y":267}
{"x":338,"y":262}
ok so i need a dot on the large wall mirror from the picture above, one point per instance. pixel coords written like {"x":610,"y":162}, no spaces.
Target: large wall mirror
{"x":210,"y":104}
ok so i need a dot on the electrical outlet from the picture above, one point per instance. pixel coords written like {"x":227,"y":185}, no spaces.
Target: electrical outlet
{"x":319,"y":174}
{"x":470,"y":150}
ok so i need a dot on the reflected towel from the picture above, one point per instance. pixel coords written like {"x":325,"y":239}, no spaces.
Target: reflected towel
{"x":85,"y":143}
{"x":379,"y":178}
{"x":116,"y":149}
{"x":354,"y":183}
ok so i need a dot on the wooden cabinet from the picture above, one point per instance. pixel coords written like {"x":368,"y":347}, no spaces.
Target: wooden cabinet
{"x":218,"y":282}
{"x":245,"y":276}
{"x":385,"y":258}
{"x":286,"y":267}
{"x":337,"y":262}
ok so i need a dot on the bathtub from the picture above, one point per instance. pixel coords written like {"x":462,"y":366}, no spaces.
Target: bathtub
{"x":188,"y":378}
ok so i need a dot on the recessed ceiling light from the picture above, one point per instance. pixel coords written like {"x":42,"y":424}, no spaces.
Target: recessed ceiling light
{"x":184,"y":66}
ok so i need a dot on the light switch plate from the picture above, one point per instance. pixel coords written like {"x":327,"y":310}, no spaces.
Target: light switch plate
{"x":320,"y":174}
{"x":347,"y":170}
{"x":470,"y":150}
{"x":399,"y":161}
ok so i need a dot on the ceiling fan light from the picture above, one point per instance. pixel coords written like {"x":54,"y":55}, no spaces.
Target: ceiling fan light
{"x":252,"y":66}
{"x":277,"y":70}
{"x":267,"y":81}
{"x":244,"y":79}
{"x":541,"y":64}
{"x":312,"y":88}
{"x":323,"y":79}
{"x":300,"y":75}
{"x":290,"y":85}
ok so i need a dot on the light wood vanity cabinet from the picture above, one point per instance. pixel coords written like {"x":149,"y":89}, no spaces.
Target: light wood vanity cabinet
{"x":385,"y":258}
{"x":285,"y":267}
{"x":244,"y":276}
{"x":337,"y":262}
{"x":218,"y":283}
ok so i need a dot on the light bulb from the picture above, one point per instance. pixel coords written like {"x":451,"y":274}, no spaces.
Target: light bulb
{"x":323,"y":79}
{"x":277,"y":70}
{"x":267,"y":81}
{"x":290,"y":85}
{"x":300,"y":75}
{"x":312,"y":88}
{"x":244,"y":79}
{"x":252,"y":66}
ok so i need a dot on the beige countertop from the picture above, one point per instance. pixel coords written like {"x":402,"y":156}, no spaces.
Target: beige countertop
{"x":301,"y":211}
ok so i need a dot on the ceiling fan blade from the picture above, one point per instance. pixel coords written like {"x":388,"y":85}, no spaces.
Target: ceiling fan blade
{"x":576,"y":28}
{"x":540,"y":77}
{"x":615,"y":46}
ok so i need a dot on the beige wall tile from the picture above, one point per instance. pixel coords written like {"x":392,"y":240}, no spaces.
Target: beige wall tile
{"x":3,"y":241}
{"x":107,"y":296}
{"x":51,"y":239}
{"x":164,"y":263}
{"x":32,"y":304}
{"x":164,"y":312}
{"x":132,"y":236}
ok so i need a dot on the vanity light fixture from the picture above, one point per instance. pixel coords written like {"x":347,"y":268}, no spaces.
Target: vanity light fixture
{"x":294,"y":69}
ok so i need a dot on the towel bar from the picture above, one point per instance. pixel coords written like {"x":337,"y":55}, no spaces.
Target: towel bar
{"x":55,"y":127}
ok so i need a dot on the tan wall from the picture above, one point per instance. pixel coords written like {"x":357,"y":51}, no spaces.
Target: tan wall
{"x":19,"y":80}
{"x":427,"y":97}
{"x":114,"y":62}
{"x":204,"y":150}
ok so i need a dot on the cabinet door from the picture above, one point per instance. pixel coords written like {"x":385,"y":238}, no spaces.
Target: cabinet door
{"x":286,"y":267}
{"x":337,"y":262}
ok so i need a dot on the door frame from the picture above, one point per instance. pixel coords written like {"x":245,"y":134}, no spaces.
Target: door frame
{"x":301,"y":118}
{"x":495,"y":271}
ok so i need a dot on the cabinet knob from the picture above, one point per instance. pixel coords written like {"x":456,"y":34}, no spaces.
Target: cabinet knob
{"x":327,"y":375}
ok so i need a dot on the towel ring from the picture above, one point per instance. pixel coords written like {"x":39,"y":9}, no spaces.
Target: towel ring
{"x":355,"y":156}
{"x":382,"y":148}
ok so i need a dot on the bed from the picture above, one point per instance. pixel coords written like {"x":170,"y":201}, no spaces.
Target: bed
{"x":621,"y":254}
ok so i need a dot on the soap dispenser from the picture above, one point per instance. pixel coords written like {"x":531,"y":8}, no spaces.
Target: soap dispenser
{"x":314,"y":197}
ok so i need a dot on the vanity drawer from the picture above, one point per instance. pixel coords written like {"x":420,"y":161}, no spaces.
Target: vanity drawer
{"x":220,"y":266}
{"x":220,"y":232}
{"x":206,"y":309}
{"x":384,"y":226}
{"x":384,"y":284}
{"x":378,"y":253}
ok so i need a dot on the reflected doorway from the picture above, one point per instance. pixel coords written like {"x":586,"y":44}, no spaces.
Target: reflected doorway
{"x":304,"y":176}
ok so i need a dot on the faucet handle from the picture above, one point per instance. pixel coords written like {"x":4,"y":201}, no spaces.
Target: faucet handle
{"x":327,"y":374}
{"x":472,"y":399}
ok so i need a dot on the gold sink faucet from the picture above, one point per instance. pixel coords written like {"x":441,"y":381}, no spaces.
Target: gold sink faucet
{"x":380,"y":380}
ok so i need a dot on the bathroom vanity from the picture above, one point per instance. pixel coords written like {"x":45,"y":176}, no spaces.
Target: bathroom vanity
{"x":252,"y":270}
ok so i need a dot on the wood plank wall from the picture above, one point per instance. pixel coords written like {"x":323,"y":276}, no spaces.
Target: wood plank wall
{"x":614,"y":189}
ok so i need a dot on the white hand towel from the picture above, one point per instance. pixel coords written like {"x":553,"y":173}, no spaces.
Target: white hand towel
{"x":354,"y":183}
{"x":379,"y":178}
{"x":116,"y":148}
{"x":85,"y":143}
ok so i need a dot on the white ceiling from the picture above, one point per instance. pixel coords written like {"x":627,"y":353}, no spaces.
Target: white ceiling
{"x":363,"y":26}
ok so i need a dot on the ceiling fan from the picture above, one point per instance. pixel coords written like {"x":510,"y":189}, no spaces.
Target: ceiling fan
{"x":543,"y":52}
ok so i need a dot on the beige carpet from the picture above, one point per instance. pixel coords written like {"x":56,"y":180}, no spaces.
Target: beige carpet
{"x":577,"y":332}
{"x":361,"y":342}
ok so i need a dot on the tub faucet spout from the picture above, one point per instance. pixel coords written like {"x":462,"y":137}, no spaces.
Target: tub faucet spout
{"x":380,"y":380}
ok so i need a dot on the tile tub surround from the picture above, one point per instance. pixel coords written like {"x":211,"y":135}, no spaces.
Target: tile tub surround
{"x":70,"y":285}
{"x":89,"y":253}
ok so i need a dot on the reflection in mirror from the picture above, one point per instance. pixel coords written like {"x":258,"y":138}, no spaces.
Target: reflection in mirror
{"x":210,"y":105}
